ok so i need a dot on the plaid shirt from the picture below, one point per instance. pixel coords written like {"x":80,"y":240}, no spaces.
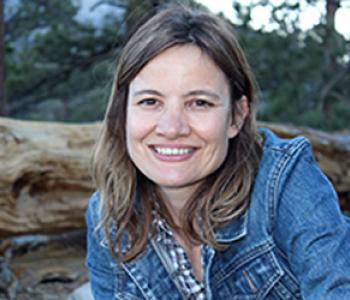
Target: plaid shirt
{"x":190,"y":286}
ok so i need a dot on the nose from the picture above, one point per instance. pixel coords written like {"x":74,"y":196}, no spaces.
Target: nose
{"x":173,"y":123}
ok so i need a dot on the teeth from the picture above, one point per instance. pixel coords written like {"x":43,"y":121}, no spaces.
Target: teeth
{"x":173,"y":151}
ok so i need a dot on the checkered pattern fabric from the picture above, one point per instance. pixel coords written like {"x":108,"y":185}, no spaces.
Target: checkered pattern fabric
{"x":191,"y":287}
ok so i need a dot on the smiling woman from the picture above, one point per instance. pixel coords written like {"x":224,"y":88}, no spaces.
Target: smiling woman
{"x":166,"y":136}
{"x":193,"y":202}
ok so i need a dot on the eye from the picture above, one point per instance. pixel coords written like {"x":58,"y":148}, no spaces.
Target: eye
{"x":201,"y":103}
{"x":148,"y":102}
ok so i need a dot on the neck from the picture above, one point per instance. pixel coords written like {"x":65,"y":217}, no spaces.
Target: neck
{"x":175,"y":199}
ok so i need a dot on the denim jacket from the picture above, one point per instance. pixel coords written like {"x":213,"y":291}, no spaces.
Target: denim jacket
{"x":291,"y":243}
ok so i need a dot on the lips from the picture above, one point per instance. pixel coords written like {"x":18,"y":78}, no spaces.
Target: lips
{"x":173,"y":152}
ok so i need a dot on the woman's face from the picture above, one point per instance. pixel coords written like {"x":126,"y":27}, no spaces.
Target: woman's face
{"x":179,"y":118}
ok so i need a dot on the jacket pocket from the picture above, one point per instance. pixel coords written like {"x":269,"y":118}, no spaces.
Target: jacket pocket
{"x":256,"y":274}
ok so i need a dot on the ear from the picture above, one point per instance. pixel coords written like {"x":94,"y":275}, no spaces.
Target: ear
{"x":237,"y":121}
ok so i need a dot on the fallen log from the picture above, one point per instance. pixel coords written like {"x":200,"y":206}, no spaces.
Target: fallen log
{"x":44,"y":176}
{"x":45,"y":181}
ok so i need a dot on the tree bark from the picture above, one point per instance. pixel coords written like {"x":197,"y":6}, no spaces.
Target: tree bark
{"x":330,"y":45}
{"x":331,"y":8}
{"x":44,"y":176}
{"x":45,"y":181}
{"x":2,"y":59}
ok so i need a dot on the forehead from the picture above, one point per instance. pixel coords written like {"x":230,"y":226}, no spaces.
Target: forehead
{"x":185,"y":66}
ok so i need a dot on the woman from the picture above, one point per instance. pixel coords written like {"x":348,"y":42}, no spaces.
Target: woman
{"x":193,"y":202}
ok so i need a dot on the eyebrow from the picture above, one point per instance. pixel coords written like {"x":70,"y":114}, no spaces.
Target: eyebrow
{"x":189,"y":94}
{"x":203,"y":92}
{"x":148,"y":92}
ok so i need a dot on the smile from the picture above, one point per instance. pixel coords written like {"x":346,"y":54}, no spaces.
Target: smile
{"x":173,"y":151}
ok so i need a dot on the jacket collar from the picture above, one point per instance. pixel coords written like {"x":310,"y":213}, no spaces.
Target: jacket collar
{"x":234,"y":230}
{"x":228,"y":233}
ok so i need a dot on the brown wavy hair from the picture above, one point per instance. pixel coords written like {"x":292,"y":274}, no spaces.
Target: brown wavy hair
{"x":127,"y":197}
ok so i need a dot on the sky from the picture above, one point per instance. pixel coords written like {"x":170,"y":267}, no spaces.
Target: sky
{"x":308,"y":18}
{"x":260,"y":15}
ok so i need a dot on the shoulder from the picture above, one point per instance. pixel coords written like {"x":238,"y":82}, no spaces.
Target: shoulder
{"x":286,"y":161}
{"x":290,"y":179}
{"x":95,"y":222}
{"x":288,"y":175}
{"x":281,"y":155}
{"x":275,"y":145}
{"x":93,"y":212}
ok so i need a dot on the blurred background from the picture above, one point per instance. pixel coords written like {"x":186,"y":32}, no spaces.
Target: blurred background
{"x":57,"y":57}
{"x":57,"y":61}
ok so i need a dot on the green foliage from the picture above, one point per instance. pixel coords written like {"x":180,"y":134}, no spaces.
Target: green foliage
{"x":52,"y":58}
{"x":60,"y":69}
{"x":303,"y":75}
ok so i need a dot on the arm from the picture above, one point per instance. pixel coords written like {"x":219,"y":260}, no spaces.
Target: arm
{"x":98,"y":260}
{"x":312,"y":231}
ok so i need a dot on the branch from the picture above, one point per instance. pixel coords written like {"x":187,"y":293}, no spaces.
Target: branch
{"x":327,"y":88}
{"x":54,"y":80}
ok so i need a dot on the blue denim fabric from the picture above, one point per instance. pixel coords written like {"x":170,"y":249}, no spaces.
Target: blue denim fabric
{"x":292,"y":242}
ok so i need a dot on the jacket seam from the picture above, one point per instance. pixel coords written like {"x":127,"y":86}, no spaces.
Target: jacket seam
{"x":275,"y":181}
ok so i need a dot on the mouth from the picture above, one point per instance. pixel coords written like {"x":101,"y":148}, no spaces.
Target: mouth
{"x":181,"y":152}
{"x":173,"y":151}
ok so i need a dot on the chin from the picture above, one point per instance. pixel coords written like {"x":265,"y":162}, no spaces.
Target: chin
{"x":175,"y":184}
{"x":171,"y":183}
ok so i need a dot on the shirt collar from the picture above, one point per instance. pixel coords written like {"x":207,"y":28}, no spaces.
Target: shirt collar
{"x":160,"y":224}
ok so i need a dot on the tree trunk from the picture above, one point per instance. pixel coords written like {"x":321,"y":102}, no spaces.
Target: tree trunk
{"x":331,"y":8}
{"x":44,"y":172}
{"x":2,"y":59}
{"x":330,"y":45}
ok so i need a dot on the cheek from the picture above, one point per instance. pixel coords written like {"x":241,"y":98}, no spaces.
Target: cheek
{"x":137,"y":129}
{"x":131,"y":129}
{"x":134,"y":127}
{"x":216,"y":130}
